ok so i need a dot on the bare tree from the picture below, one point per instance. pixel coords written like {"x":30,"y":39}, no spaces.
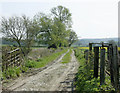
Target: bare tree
{"x":18,"y":29}
{"x":13,"y":28}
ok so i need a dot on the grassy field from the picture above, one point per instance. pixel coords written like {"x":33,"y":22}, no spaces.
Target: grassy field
{"x":83,"y":47}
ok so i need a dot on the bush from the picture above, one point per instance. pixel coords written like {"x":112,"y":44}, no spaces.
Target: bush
{"x":23,"y":69}
{"x":18,"y":71}
{"x":12,"y":72}
{"x":30,"y":64}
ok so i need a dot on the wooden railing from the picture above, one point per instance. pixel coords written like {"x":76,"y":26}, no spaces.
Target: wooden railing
{"x":12,"y":59}
{"x":112,"y":57}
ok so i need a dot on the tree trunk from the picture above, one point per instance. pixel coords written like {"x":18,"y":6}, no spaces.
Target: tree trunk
{"x":18,"y":41}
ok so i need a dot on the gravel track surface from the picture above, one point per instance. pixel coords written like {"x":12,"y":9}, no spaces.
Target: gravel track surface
{"x":56,"y":77}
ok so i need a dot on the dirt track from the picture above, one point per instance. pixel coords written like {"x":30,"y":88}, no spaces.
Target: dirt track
{"x":57,"y":77}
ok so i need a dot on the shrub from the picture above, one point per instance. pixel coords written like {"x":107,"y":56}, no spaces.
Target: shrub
{"x":18,"y":71}
{"x":24,"y":69}
{"x":11,"y":72}
{"x":30,"y":64}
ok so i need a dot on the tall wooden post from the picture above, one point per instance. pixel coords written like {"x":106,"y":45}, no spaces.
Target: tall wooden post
{"x":90,"y":46}
{"x":116,"y":67}
{"x":96,"y":61}
{"x":90,"y":55}
{"x":108,"y":52}
{"x":102,"y":66}
{"x":111,"y":63}
{"x":86,"y":56}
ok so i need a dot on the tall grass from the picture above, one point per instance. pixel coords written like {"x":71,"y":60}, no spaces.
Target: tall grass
{"x":44,"y":60}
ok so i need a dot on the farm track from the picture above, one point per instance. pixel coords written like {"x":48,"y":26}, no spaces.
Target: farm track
{"x":56,"y":77}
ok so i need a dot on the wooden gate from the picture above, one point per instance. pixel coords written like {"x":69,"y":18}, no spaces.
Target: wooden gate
{"x":11,"y":59}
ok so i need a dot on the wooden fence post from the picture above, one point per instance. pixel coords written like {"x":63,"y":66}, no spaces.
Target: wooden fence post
{"x":90,"y":56}
{"x":96,"y":61}
{"x":12,"y":59}
{"x":86,"y":56}
{"x":108,"y":52}
{"x":102,"y":66}
{"x":90,"y":46}
{"x":111,"y":63}
{"x":116,"y":67}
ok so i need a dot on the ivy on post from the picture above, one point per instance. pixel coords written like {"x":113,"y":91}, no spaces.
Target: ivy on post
{"x":102,"y":66}
{"x":96,"y":61}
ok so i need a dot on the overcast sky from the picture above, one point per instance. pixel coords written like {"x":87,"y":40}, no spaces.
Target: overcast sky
{"x":91,"y":18}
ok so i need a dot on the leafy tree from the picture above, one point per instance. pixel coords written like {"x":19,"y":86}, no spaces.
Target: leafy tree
{"x":55,"y":30}
{"x":59,"y":35}
{"x":50,"y":32}
{"x":43,"y":28}
{"x":72,"y":38}
{"x":62,"y":14}
{"x":63,"y":21}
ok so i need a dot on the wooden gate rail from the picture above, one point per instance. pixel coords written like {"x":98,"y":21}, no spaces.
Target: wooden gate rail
{"x":112,"y":58}
{"x":12,"y":59}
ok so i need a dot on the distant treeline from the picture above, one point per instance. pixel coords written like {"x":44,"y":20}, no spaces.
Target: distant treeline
{"x":80,"y":42}
{"x":10,"y":42}
{"x":85,"y":42}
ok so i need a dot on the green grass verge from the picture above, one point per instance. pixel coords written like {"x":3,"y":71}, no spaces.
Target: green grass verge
{"x":67,"y":57}
{"x":44,"y":61}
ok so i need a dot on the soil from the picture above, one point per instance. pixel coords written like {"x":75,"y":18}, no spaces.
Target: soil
{"x":55,"y":77}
